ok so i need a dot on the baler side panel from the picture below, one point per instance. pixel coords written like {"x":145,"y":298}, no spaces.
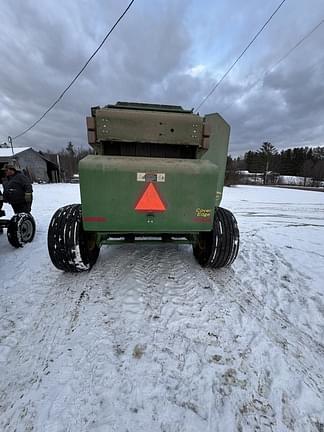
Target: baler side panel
{"x":217,"y":150}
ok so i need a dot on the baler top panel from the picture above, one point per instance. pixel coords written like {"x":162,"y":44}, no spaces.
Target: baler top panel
{"x":149,"y":126}
{"x":149,"y":107}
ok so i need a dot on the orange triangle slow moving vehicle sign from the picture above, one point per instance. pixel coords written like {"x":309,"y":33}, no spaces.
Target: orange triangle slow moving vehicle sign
{"x":150,"y":200}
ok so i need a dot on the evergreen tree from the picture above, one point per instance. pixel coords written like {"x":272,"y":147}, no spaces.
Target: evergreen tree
{"x":253,"y":162}
{"x":267,"y":152}
{"x":70,"y":149}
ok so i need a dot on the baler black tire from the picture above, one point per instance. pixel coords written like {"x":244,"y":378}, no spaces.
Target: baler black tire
{"x":219,"y":247}
{"x":71,"y":249}
{"x":21,"y":229}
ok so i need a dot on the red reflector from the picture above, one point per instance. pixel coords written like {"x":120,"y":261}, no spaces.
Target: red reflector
{"x":150,"y":200}
{"x":94,"y":219}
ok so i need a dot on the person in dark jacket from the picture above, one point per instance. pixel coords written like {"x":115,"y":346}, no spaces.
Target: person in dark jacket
{"x":17,"y":190}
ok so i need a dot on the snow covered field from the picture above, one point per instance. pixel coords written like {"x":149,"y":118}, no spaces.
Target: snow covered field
{"x":149,"y":341}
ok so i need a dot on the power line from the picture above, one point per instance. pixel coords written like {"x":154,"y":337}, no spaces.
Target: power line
{"x":240,"y":56}
{"x":298,"y":43}
{"x":77,"y":76}
{"x":283,"y":58}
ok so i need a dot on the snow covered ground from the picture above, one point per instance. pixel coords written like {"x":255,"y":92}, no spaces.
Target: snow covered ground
{"x":149,"y":341}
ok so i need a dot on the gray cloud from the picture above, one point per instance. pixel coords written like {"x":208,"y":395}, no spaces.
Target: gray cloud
{"x":163,"y":52}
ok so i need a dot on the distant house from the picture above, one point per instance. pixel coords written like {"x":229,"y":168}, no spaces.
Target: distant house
{"x":269,"y":177}
{"x":32,"y":163}
{"x":245,"y":177}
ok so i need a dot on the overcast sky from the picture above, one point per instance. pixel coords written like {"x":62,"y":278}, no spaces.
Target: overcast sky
{"x":163,"y":51}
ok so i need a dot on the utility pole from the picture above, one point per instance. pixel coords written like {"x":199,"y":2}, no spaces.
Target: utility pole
{"x":10,"y":142}
{"x":59,"y":167}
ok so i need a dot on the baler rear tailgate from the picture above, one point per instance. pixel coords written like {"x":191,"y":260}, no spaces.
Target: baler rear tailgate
{"x":144,"y":195}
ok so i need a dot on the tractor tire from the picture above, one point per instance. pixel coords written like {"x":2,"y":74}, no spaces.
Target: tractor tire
{"x":219,"y":247}
{"x":21,"y":229}
{"x":70,"y":248}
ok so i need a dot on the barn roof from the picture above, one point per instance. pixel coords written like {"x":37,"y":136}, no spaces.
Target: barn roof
{"x":7,"y":152}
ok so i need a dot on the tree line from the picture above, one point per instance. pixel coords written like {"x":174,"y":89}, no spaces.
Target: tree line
{"x":299,"y":161}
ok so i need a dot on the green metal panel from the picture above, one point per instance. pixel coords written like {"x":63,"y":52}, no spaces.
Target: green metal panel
{"x":112,"y":185}
{"x":217,"y":150}
{"x":113,"y":124}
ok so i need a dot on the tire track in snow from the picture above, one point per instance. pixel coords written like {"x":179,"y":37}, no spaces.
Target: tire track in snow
{"x":58,"y":318}
{"x":38,"y":346}
{"x":293,"y":341}
{"x":300,"y":350}
{"x":180,"y":348}
{"x":134,"y":304}
{"x":182,"y":288}
{"x":168,"y":339}
{"x":109,"y":328}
